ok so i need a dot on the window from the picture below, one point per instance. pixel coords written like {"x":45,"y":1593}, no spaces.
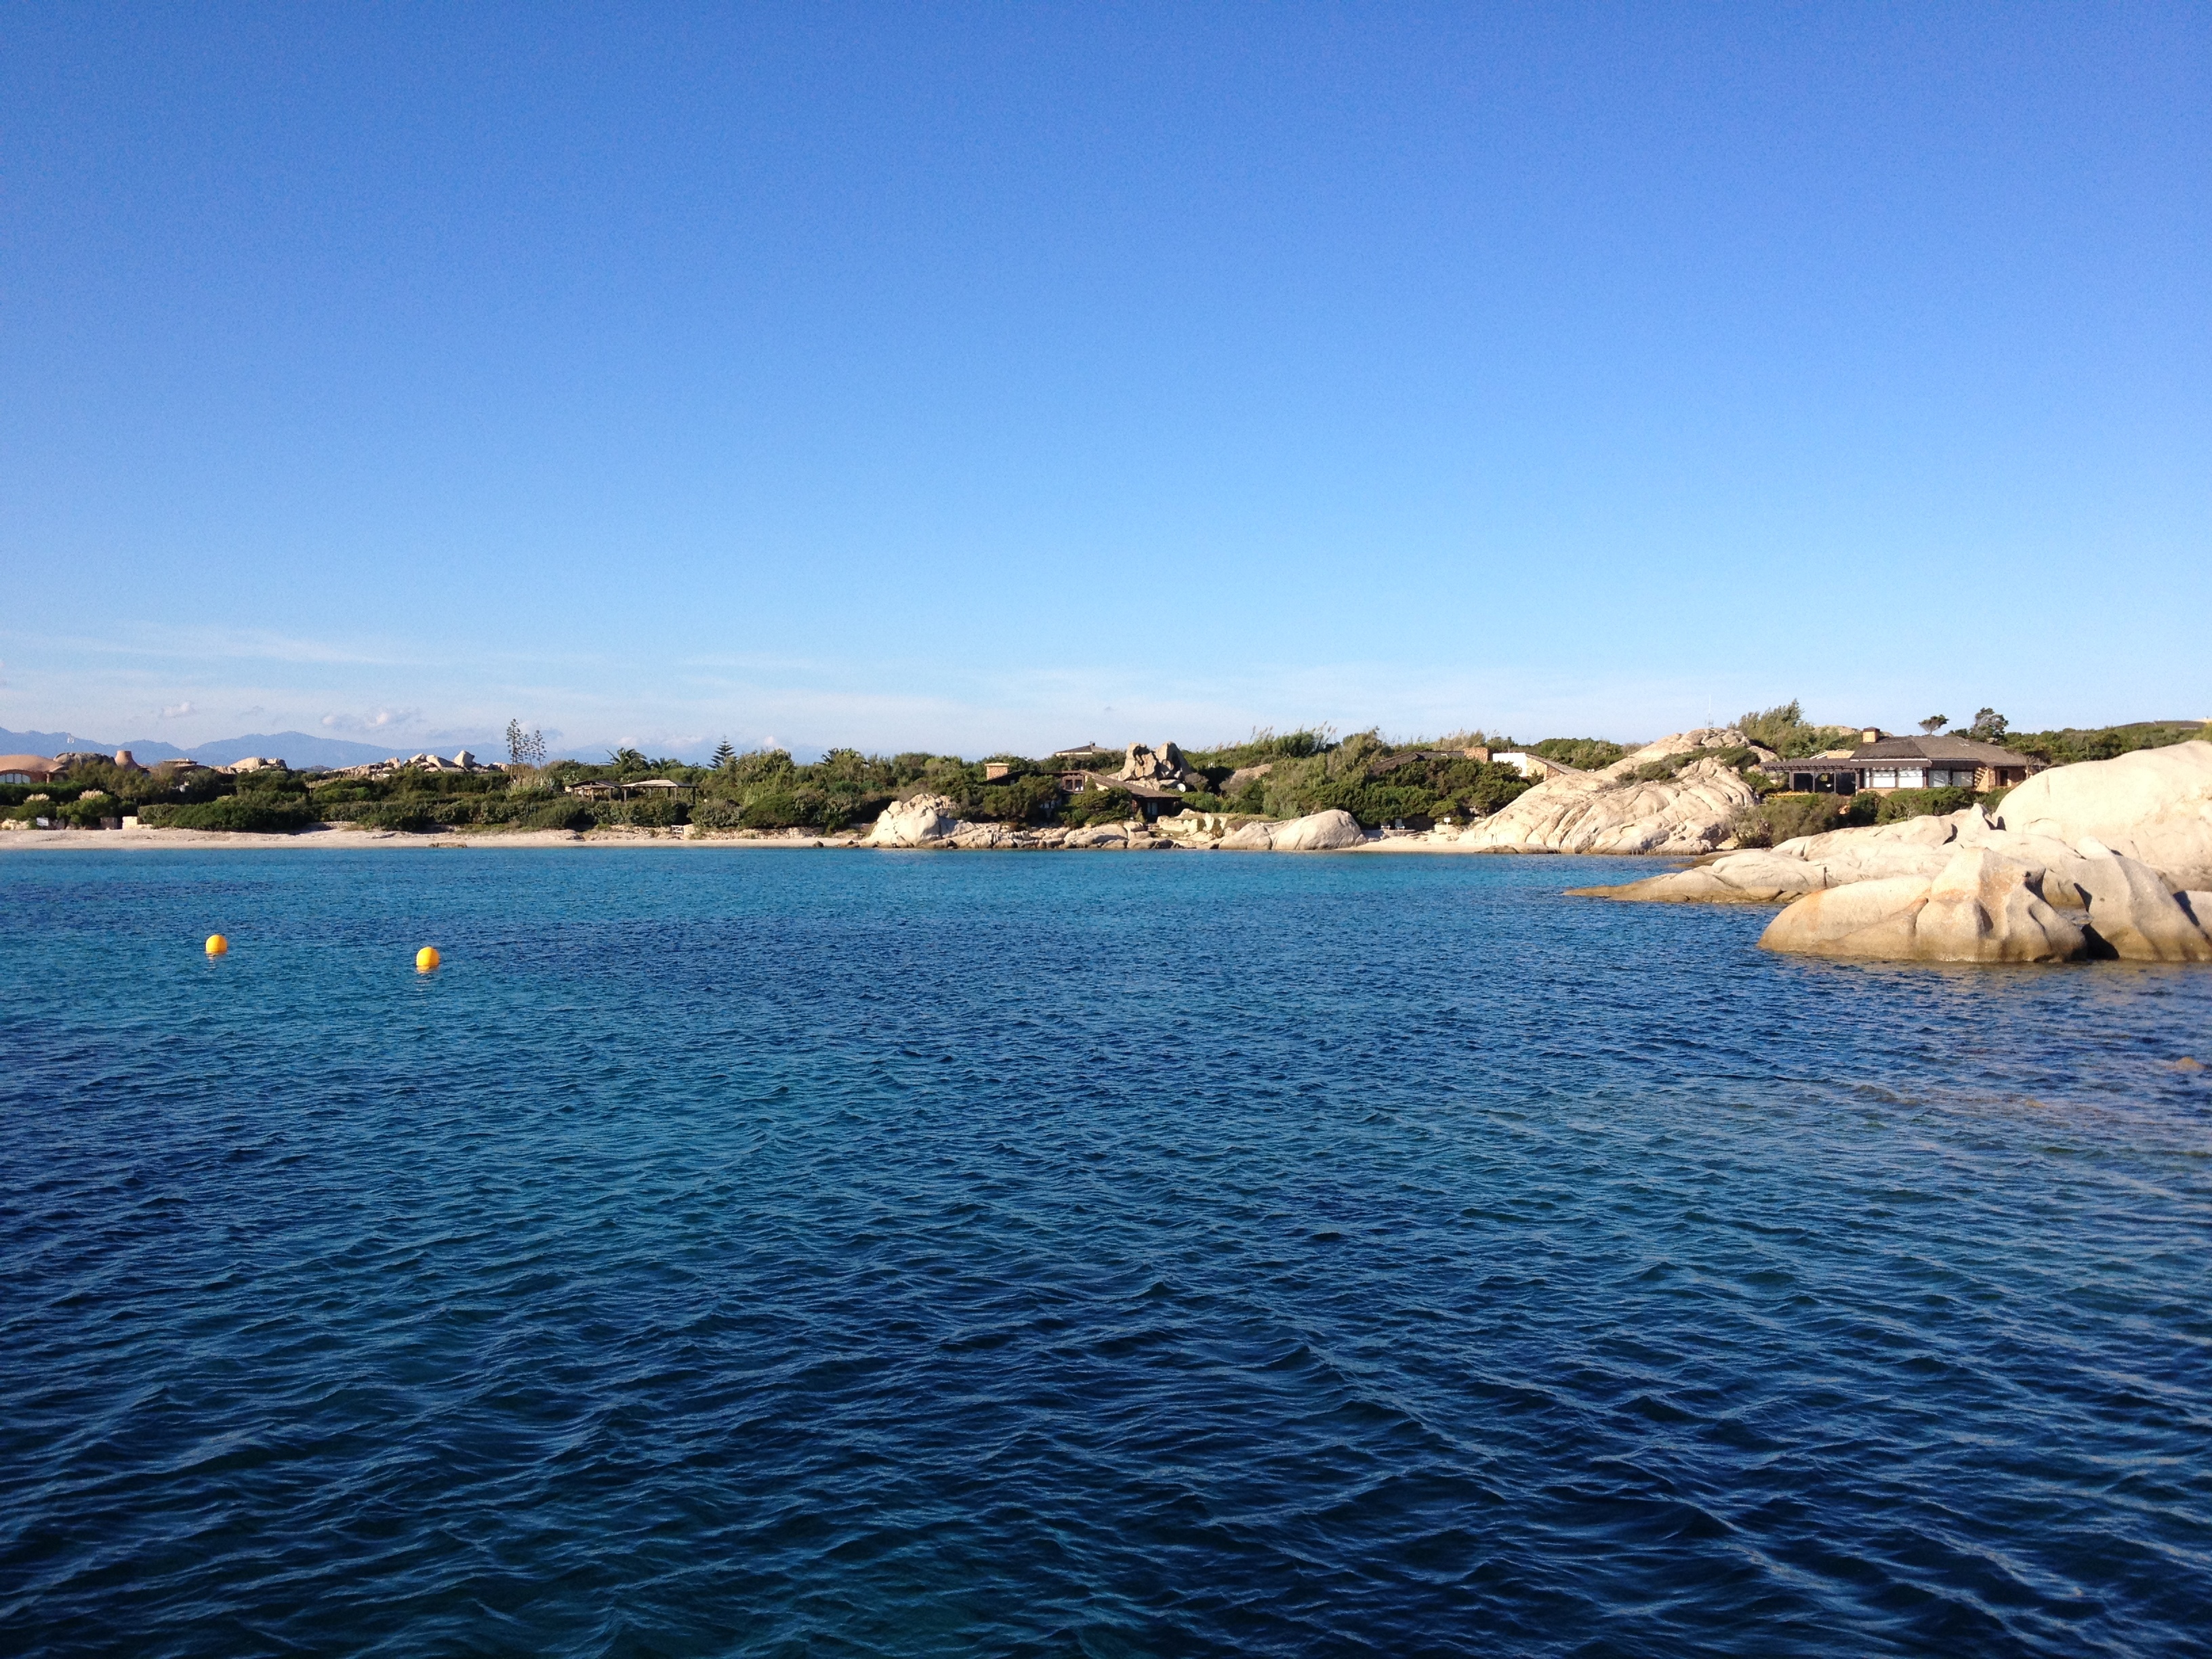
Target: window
{"x":1912,"y":777}
{"x":1882,"y":778}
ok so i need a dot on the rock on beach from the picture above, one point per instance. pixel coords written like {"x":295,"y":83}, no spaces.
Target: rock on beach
{"x":915,"y":822}
{"x":1613,"y":811}
{"x":1318,"y":832}
{"x":1979,"y":908}
{"x":2154,"y":805}
{"x":2102,"y":859}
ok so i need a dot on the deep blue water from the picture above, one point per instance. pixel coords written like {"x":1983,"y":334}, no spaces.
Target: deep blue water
{"x":744,"y":1252}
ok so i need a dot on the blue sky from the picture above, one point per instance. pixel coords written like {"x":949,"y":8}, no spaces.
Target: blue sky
{"x":971,"y":379}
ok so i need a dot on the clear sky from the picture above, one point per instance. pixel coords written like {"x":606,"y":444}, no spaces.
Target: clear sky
{"x":1008,"y":376}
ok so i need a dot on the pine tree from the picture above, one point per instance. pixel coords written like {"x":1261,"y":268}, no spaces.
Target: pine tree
{"x":725,"y":758}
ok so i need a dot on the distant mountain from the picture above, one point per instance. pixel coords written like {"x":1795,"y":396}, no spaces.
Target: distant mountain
{"x":54,"y":743}
{"x":294,"y":748}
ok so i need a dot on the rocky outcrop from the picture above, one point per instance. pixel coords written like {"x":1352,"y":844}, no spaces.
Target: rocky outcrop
{"x":1981,"y":906}
{"x":2133,"y":913}
{"x":2034,"y":883}
{"x":1319,"y":832}
{"x":1116,"y":837}
{"x":1757,"y":877}
{"x":2000,"y":898}
{"x":1693,"y":811}
{"x":374,"y":771}
{"x":1164,"y":765}
{"x":2154,"y":806}
{"x":1810,"y":864}
{"x":916,"y":821}
{"x":1681,"y":742}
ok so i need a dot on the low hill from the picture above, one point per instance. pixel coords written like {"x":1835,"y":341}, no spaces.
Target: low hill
{"x":295,"y":748}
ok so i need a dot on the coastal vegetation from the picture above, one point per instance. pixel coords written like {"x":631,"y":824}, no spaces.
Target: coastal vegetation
{"x":2072,"y":744}
{"x":1583,"y":754}
{"x":1784,"y":729}
{"x":1781,"y":816}
{"x":1270,"y":775}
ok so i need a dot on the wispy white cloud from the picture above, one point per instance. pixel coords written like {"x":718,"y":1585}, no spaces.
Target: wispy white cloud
{"x":381,"y":720}
{"x":206,"y":646}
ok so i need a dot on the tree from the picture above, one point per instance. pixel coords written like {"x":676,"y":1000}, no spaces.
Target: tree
{"x":725,"y":758}
{"x":1934,"y":723}
{"x":525,"y":748}
{"x":1989,"y":726}
{"x":1772,"y":726}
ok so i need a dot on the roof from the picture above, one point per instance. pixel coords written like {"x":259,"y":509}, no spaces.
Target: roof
{"x":1937,"y":749}
{"x":1144,"y":789}
{"x":25,"y":763}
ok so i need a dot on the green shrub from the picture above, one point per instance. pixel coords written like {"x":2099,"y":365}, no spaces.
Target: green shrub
{"x":1024,"y":800}
{"x":1862,"y":809}
{"x":1584,"y":754}
{"x":1097,"y":806}
{"x":2072,"y":744}
{"x":85,"y":813}
{"x":1784,"y":817}
{"x":562,"y":812}
{"x":1784,"y":729}
{"x":414,"y":817}
{"x":1902,"y":804}
{"x":257,"y":814}
{"x":774,"y":809}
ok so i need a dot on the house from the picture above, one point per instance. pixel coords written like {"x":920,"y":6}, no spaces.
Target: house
{"x":650,"y":788}
{"x":1151,"y":799}
{"x":1535,"y":767}
{"x":1882,"y":763}
{"x":27,"y":768}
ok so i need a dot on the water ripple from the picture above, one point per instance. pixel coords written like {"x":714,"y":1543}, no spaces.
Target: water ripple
{"x":770,"y":1252}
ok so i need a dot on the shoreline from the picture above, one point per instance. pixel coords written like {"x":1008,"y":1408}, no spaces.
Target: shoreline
{"x":336,"y":839}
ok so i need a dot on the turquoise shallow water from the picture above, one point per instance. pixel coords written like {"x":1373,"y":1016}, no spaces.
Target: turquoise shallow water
{"x":738,"y":1252}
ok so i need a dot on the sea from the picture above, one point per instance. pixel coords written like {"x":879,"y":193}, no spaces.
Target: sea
{"x":735,"y":1251}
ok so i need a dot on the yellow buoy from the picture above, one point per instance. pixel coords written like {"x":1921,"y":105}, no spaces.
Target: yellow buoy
{"x":426,"y":958}
{"x":217,"y":944}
